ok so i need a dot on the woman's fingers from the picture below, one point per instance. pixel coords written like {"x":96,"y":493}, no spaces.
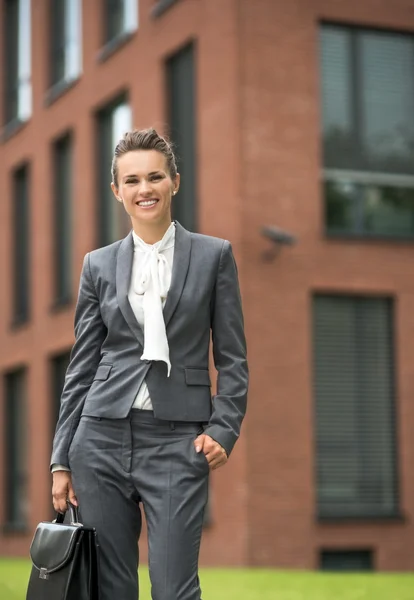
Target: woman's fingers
{"x":215,"y":461}
{"x":215,"y":453}
{"x":62,"y":490}
{"x":71,"y":495}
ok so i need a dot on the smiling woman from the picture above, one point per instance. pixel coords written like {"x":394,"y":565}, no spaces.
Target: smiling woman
{"x":137,"y":424}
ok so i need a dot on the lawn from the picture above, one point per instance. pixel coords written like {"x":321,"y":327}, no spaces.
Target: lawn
{"x":254,"y":584}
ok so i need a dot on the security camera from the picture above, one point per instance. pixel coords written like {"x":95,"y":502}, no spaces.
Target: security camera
{"x":278,"y":236}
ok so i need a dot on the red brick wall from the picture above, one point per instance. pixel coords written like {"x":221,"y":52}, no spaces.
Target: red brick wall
{"x":281,"y":156}
{"x":258,"y":135}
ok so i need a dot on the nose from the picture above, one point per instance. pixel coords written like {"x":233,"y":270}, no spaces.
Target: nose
{"x":145,"y":188}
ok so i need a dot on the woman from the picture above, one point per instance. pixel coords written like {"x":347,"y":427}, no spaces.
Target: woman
{"x":137,"y":424}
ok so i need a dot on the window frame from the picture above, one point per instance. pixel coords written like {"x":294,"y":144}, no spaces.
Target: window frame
{"x":361,"y":176}
{"x":161,"y":6}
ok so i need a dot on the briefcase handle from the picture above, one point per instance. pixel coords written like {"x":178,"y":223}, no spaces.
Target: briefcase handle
{"x":74,"y":515}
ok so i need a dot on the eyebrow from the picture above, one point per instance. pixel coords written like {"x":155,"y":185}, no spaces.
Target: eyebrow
{"x":149,"y":174}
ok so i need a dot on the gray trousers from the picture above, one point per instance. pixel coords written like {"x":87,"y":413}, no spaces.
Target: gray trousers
{"x":118,"y":464}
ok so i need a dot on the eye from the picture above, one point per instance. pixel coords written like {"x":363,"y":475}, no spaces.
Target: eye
{"x":156,"y":177}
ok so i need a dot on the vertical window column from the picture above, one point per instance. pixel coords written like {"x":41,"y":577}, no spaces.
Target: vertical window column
{"x":21,"y":245}
{"x":58,"y":368}
{"x":180,"y":71}
{"x":62,"y":171}
{"x":112,"y":123}
{"x":15,"y":439}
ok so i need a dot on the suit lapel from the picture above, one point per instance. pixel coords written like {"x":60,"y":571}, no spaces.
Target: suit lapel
{"x":123,"y":278}
{"x":182,"y":252}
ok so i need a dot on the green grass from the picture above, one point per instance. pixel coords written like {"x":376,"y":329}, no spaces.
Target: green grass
{"x":254,"y":584}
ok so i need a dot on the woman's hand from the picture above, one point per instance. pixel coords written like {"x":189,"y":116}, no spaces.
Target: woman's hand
{"x":62,"y":490}
{"x":214,"y":453}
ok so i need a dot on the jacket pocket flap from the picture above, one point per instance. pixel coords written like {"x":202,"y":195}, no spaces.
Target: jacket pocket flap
{"x":53,"y":545}
{"x":102,"y":372}
{"x":197,"y":376}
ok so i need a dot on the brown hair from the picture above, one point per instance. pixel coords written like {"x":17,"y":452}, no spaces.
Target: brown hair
{"x":144,"y":139}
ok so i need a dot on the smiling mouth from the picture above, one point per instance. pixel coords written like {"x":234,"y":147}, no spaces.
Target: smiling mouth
{"x":147,"y":203}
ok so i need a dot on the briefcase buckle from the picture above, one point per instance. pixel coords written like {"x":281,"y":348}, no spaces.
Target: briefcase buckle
{"x":43,"y":574}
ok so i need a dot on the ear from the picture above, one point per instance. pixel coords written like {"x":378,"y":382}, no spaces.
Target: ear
{"x":176,"y":183}
{"x":115,"y":192}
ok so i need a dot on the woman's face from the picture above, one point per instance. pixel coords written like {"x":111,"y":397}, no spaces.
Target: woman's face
{"x":145,"y":186}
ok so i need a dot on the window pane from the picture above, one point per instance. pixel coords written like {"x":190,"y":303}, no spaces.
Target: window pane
{"x":387,"y":98}
{"x":346,"y":560}
{"x":130,"y":15}
{"x":368,"y":209}
{"x":114,"y":18}
{"x":337,"y":118}
{"x":355,"y":424}
{"x":24,"y":61}
{"x":10,"y":48}
{"x":63,"y":218}
{"x":73,"y":39}
{"x":341,"y":206}
{"x":15,"y":450}
{"x":57,"y":40}
{"x":388,"y":210}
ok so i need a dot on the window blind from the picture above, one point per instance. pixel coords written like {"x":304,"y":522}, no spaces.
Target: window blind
{"x":354,"y":402}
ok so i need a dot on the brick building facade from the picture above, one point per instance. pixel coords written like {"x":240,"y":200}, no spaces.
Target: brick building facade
{"x":296,"y":115}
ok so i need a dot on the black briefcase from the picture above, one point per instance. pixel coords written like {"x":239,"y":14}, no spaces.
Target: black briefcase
{"x":65,"y":561}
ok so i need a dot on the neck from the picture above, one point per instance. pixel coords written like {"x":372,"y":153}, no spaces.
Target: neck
{"x":150,"y":233}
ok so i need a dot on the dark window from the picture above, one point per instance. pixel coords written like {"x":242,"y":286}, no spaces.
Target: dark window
{"x":114,"y":19}
{"x":120,"y":17}
{"x":58,"y":366}
{"x":112,"y":122}
{"x":346,"y":560}
{"x":17,"y":60}
{"x":355,"y":416}
{"x":181,"y":117}
{"x":62,"y":172}
{"x":65,"y":40}
{"x":21,"y":245}
{"x":368,"y":131}
{"x":57,"y":40}
{"x":15,"y":457}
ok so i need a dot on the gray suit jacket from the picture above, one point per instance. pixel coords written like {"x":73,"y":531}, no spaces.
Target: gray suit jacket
{"x":105,"y":370}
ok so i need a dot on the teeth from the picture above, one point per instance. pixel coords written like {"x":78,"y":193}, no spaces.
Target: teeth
{"x":147,"y":203}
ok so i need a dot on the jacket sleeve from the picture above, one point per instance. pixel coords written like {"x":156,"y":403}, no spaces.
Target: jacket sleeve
{"x":90,"y":332}
{"x":229,"y":352}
